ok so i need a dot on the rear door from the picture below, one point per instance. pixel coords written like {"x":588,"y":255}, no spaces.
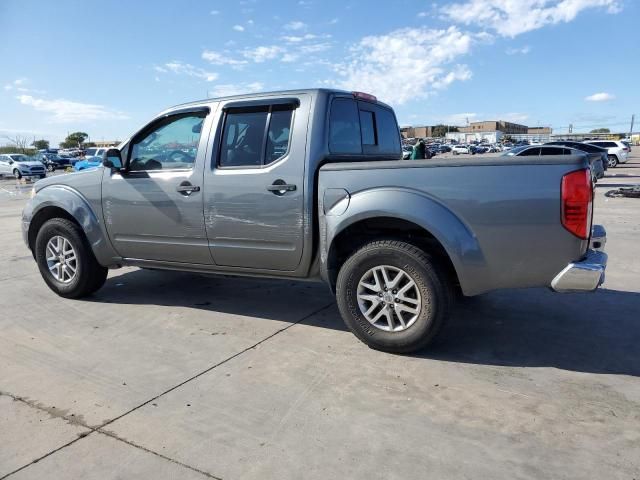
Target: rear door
{"x":254,"y":185}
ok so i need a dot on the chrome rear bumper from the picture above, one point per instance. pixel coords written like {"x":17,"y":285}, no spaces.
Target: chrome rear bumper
{"x":587,"y":274}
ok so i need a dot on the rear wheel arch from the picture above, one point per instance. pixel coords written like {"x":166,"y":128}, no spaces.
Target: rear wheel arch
{"x":363,"y":231}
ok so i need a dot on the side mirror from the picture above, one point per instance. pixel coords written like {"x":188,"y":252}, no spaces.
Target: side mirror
{"x":112,"y":159}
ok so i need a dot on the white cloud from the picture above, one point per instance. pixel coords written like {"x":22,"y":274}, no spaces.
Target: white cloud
{"x":510,"y":18}
{"x":238,"y":28}
{"x":217,"y":58}
{"x":17,"y":84}
{"x":333,"y":21}
{"x":407,"y":64}
{"x":263,"y":53}
{"x":295,"y":25}
{"x":518,"y":51}
{"x":65,"y":111}
{"x":187,"y":69}
{"x":600,"y":97}
{"x":301,"y":38}
{"x":227,"y":90}
{"x":422,"y":14}
{"x":215,"y":12}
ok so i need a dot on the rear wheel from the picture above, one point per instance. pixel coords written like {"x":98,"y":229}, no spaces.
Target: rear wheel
{"x":613,"y":161}
{"x":17,"y":174}
{"x":393,"y":296}
{"x":50,"y":167}
{"x":65,"y":260}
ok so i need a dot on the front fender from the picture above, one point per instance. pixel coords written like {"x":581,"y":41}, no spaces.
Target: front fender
{"x":416,"y":207}
{"x":76,"y":205}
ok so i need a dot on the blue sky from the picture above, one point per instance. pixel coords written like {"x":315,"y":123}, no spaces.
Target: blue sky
{"x":106,"y":67}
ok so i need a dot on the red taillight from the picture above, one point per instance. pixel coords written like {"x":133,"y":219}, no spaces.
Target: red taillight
{"x":626,"y":149}
{"x":365,"y":96}
{"x":577,"y":201}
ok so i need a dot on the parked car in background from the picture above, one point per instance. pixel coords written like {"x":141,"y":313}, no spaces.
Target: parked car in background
{"x":595,"y":160}
{"x":444,"y":148}
{"x":93,"y":159}
{"x":598,"y":156}
{"x":18,"y":166}
{"x":475,"y":149}
{"x":627,"y":143}
{"x":292,"y":189}
{"x":406,"y":152}
{"x":458,"y":149}
{"x":52,"y":162}
{"x":617,"y":152}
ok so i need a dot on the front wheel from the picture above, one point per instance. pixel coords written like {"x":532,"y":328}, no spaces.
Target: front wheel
{"x":393,"y":296}
{"x":613,"y":161}
{"x":17,"y":174}
{"x":65,"y":260}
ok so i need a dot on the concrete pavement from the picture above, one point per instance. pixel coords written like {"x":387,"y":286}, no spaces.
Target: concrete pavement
{"x":173,"y":375}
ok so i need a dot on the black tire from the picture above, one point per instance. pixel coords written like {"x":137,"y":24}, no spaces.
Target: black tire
{"x":43,"y":176}
{"x":612,"y":161}
{"x":431,"y":280}
{"x":16,"y":174}
{"x":90,"y":275}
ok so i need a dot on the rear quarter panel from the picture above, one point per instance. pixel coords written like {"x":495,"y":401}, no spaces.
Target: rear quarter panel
{"x":511,"y":210}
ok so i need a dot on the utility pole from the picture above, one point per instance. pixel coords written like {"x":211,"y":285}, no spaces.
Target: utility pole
{"x":633,"y":117}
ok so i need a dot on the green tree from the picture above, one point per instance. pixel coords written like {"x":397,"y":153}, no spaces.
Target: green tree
{"x":441,"y":130}
{"x":88,"y":145}
{"x":74,"y":140}
{"x":600,"y":130}
{"x":40,"y":144}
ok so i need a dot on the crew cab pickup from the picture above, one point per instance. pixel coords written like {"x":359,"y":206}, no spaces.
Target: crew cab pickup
{"x":311,"y":184}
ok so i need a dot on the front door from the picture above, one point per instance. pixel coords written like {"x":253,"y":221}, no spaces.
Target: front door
{"x":153,"y":211}
{"x":254,"y":193}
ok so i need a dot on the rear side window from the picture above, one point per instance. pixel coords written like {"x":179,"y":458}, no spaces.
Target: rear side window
{"x":605,"y":144}
{"x":256,"y":137}
{"x":362,"y":127}
{"x":344,"y":127}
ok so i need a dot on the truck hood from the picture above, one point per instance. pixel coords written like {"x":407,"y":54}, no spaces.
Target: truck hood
{"x":73,"y":180}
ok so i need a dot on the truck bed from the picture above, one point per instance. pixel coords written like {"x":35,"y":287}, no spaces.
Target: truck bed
{"x":510,"y":208}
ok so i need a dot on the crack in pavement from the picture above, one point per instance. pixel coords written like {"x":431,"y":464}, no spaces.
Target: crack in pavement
{"x":99,"y":429}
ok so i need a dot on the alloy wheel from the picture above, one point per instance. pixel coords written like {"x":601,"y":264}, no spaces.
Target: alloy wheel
{"x":389,"y":298}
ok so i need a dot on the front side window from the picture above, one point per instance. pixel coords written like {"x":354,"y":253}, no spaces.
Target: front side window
{"x":530,"y":152}
{"x":552,"y":151}
{"x":171,"y":144}
{"x":90,"y":152}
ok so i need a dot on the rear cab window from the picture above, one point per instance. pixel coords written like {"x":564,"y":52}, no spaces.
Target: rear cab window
{"x":363,"y":128}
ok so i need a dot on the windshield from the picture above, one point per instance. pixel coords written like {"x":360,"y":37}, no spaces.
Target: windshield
{"x":90,"y":152}
{"x":19,"y":158}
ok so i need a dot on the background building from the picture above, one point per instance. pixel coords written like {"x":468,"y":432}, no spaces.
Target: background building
{"x":493,"y":131}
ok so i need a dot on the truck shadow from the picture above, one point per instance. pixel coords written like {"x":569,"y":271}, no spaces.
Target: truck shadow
{"x":582,"y":332}
{"x":590,"y":333}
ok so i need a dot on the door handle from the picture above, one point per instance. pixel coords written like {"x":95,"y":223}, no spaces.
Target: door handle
{"x":279,"y":187}
{"x":186,"y":188}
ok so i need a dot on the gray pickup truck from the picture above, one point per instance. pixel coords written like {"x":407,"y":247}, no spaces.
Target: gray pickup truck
{"x":310,"y":184}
